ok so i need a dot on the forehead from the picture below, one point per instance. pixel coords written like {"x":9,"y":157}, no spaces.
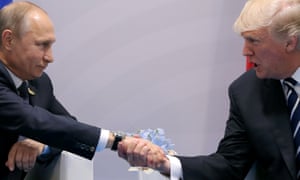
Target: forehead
{"x":257,"y":34}
{"x":39,"y":25}
{"x":260,"y":33}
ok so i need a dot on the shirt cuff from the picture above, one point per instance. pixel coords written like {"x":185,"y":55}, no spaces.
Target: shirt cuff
{"x":46,"y":150}
{"x":175,"y":168}
{"x":104,"y":135}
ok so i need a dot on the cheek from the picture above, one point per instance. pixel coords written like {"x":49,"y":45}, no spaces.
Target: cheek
{"x":272,"y":63}
{"x":34,"y":57}
{"x":29,"y":61}
{"x":269,"y":56}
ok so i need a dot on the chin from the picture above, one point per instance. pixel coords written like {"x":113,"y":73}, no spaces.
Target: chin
{"x":261,"y":75}
{"x":36,"y":76}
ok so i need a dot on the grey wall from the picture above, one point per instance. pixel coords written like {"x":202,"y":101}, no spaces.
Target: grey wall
{"x":133,"y":64}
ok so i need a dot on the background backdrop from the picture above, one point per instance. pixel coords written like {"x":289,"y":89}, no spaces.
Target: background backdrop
{"x":137,"y":64}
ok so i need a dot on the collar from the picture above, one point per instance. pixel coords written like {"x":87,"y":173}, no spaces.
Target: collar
{"x":17,"y":81}
{"x":296,"y":75}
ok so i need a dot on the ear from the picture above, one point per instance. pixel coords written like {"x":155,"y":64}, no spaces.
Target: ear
{"x":7,"y":39}
{"x":291,"y":43}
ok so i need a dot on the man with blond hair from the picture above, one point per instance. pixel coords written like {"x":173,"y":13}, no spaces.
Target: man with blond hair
{"x":263,"y":125}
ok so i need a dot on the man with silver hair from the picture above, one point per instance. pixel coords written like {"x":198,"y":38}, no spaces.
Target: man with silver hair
{"x":262,"y":127}
{"x":34,"y":125}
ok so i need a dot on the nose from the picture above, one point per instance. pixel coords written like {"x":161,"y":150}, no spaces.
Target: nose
{"x":48,"y":56}
{"x":247,"y":51}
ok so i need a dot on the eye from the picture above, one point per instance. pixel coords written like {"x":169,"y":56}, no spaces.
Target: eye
{"x":252,"y":40}
{"x":43,"y":45}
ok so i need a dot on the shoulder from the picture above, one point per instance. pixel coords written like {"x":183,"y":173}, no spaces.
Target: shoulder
{"x":249,"y":79}
{"x":246,"y":79}
{"x":249,"y":86}
{"x":43,"y":83}
{"x":44,"y":79}
{"x":249,"y":82}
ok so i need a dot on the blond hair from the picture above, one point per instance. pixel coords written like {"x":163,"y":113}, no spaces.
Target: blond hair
{"x":280,"y":17}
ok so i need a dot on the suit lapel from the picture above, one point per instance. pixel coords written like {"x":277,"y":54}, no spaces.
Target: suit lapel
{"x":5,"y":78}
{"x":275,"y":106}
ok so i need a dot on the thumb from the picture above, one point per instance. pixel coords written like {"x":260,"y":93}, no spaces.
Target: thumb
{"x":122,"y":150}
{"x":10,"y":163}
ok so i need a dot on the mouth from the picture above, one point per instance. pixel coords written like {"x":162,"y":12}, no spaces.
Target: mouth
{"x":42,"y":67}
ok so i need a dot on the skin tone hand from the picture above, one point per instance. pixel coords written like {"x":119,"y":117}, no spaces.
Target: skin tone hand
{"x":143,"y":153}
{"x":23,"y":154}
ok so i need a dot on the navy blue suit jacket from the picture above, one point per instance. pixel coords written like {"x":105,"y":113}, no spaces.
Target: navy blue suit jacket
{"x":258,"y":130}
{"x":43,"y":119}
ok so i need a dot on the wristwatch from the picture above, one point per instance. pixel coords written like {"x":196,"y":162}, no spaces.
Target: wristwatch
{"x":118,"y":137}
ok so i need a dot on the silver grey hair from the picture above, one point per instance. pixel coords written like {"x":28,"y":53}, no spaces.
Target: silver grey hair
{"x":14,"y":17}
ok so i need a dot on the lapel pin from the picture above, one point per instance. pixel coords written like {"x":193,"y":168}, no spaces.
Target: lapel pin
{"x":31,"y":92}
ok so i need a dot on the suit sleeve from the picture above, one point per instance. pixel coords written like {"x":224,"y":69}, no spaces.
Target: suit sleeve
{"x":233,"y":158}
{"x":46,"y":122}
{"x":55,"y":108}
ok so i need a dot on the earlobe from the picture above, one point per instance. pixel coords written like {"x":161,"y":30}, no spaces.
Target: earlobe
{"x":7,"y":39}
{"x":291,"y":44}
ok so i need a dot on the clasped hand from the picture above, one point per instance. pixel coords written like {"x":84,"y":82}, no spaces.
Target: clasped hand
{"x":23,"y":154}
{"x":142,"y":153}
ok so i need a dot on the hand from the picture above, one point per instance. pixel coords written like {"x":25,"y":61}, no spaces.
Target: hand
{"x":23,"y":154}
{"x":143,"y":153}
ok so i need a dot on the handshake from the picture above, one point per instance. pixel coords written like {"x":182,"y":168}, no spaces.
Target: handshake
{"x":146,"y":149}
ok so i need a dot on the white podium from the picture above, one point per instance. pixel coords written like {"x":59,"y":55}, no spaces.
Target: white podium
{"x":66,"y":167}
{"x":152,"y":176}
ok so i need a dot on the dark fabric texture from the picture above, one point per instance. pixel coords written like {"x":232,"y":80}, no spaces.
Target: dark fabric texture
{"x":257,"y":131}
{"x":42,"y":118}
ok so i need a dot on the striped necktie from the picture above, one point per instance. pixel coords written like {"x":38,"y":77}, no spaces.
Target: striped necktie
{"x":294,"y":107}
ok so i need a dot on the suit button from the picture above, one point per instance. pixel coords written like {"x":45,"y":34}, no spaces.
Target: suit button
{"x":82,"y":146}
{"x":92,"y":148}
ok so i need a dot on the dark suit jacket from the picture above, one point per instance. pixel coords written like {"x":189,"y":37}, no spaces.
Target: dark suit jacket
{"x":258,"y":130}
{"x":43,"y":119}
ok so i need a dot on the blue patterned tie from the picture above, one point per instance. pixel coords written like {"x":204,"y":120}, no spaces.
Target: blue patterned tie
{"x":294,"y":107}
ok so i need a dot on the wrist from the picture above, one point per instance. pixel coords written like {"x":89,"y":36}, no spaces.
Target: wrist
{"x":165,"y":169}
{"x":114,"y":139}
{"x":110,"y":141}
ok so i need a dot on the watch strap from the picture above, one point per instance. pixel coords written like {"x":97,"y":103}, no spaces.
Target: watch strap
{"x":118,"y":138}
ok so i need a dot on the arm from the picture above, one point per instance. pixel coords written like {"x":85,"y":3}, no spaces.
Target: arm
{"x":39,"y":122}
{"x":231,"y":161}
{"x":23,"y":154}
{"x":234,"y":155}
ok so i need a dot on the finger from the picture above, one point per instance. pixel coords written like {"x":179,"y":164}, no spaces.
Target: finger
{"x":131,"y":144}
{"x":10,"y":163}
{"x":19,"y":158}
{"x":130,"y":151}
{"x":32,"y":161}
{"x":155,"y":158}
{"x":25,"y":161}
{"x":138,"y":153}
{"x":122,"y":150}
{"x":144,"y":154}
{"x":29,"y":161}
